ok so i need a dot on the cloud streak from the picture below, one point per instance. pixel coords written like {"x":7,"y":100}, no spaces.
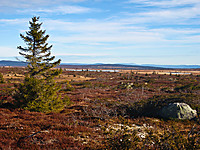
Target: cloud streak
{"x":166,"y":3}
{"x":33,"y":3}
{"x":67,"y":9}
{"x":181,"y":14}
{"x":8,"y":51}
{"x":119,"y":32}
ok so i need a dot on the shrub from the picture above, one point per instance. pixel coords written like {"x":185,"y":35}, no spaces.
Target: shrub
{"x":121,"y":140}
{"x":66,"y":86}
{"x":1,"y":78}
{"x":38,"y":95}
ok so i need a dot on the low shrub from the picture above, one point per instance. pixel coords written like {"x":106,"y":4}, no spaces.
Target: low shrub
{"x":37,"y":95}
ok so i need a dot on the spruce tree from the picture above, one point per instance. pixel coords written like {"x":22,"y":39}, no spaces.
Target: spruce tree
{"x":39,"y":91}
{"x":37,"y":52}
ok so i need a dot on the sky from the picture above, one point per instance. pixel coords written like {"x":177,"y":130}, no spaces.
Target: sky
{"x":163,"y":32}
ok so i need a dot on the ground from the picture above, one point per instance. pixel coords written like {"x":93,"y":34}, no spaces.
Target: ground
{"x":106,"y":110}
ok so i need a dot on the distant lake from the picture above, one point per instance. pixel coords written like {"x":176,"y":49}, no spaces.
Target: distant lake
{"x":179,"y":73}
{"x":107,"y":70}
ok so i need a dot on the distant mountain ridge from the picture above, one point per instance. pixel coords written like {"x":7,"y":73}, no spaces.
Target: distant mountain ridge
{"x":109,"y":66}
{"x":12,"y":63}
{"x":175,"y":66}
{"x":105,"y":66}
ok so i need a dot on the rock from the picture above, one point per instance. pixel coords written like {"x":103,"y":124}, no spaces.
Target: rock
{"x":178,"y":110}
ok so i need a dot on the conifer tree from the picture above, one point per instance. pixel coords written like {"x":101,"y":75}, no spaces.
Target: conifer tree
{"x":37,"y":52}
{"x":39,"y":91}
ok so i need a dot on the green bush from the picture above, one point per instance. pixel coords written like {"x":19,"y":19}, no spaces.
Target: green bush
{"x":66,"y":86}
{"x":39,"y":95}
{"x":1,"y":78}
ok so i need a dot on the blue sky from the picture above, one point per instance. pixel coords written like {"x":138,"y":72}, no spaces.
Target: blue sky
{"x":107,"y":31}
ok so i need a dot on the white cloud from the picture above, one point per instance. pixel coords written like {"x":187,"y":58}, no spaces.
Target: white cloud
{"x":33,"y":3}
{"x":123,"y":38}
{"x":35,"y":6}
{"x":93,"y":26}
{"x":168,"y":11}
{"x":79,"y":54}
{"x":72,"y":9}
{"x":166,"y":3}
{"x":104,"y":32}
{"x":181,"y":13}
{"x":66,"y":9}
{"x":8,"y":51}
{"x":14,"y":21}
{"x":164,"y":17}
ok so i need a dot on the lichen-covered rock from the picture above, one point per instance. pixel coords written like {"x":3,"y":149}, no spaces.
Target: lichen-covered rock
{"x":178,"y":110}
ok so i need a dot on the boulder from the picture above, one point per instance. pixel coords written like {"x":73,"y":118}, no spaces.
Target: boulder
{"x":178,"y":111}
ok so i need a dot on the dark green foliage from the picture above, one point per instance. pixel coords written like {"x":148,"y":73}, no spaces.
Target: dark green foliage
{"x":188,"y":88}
{"x":1,"y":78}
{"x":84,"y":84}
{"x":39,"y":92}
{"x":37,"y":52}
{"x":39,"y":95}
{"x":66,"y":86}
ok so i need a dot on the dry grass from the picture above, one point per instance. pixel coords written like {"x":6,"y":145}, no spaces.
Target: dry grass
{"x":58,"y":79}
{"x":72,"y":78}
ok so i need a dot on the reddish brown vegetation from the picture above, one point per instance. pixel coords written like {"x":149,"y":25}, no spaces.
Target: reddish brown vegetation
{"x":95,"y":104}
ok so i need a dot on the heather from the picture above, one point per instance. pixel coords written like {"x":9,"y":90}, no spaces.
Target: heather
{"x":103,"y":110}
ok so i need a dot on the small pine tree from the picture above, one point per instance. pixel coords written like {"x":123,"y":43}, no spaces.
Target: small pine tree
{"x":39,"y":91}
{"x":37,"y":52}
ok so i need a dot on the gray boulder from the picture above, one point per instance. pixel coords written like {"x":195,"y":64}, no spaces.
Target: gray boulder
{"x":178,"y":110}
